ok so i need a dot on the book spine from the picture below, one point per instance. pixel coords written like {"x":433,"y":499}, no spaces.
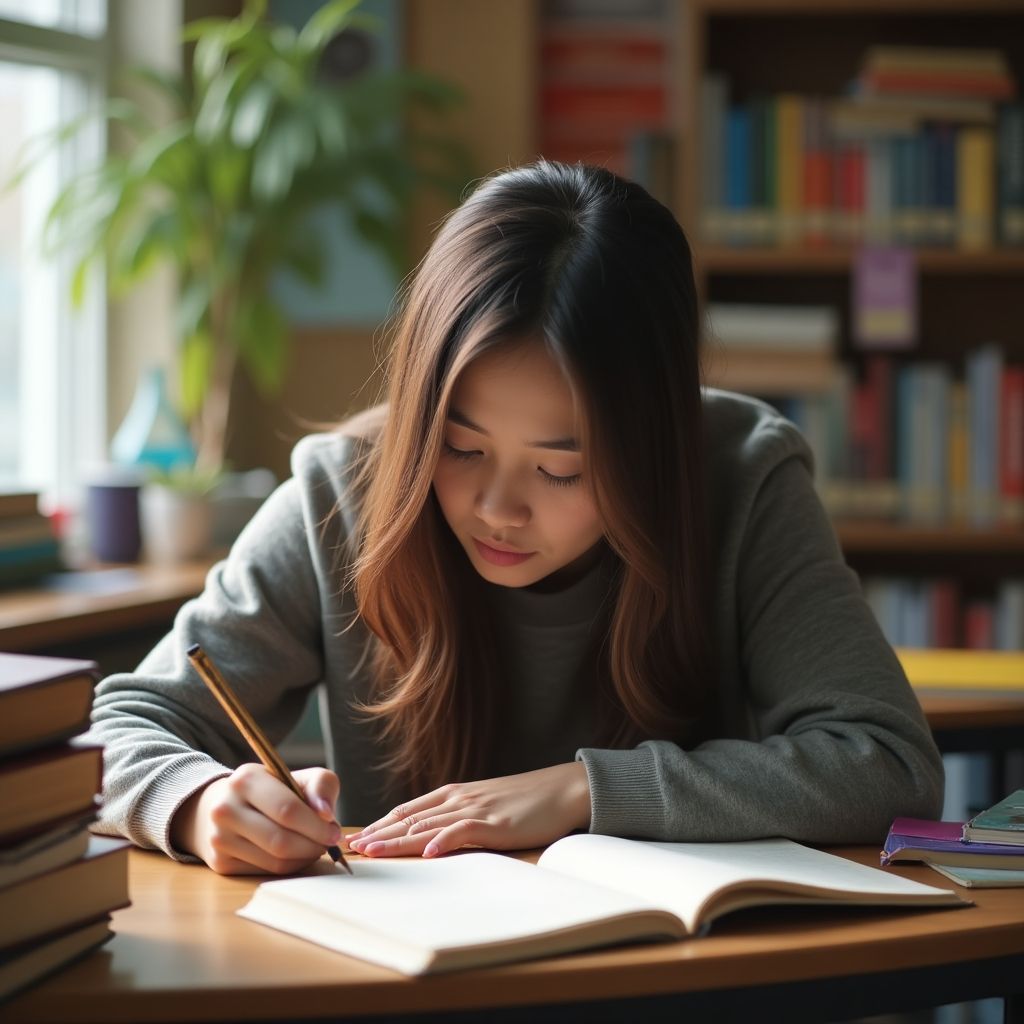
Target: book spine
{"x":1011,"y":174}
{"x":976,"y":182}
{"x":984,"y":370}
{"x":817,"y":177}
{"x":959,"y":431}
{"x":713,"y":104}
{"x":1011,"y":445}
{"x":983,"y":86}
{"x":789,"y":150}
{"x":737,"y":174}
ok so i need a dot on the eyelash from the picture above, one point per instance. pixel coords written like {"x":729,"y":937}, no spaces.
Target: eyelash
{"x":555,"y":481}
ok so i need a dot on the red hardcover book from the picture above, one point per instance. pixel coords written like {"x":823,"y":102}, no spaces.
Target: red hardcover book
{"x":979,"y":626}
{"x":945,"y":613}
{"x":879,"y":413}
{"x":817,"y":177}
{"x":1011,"y":444}
{"x":996,"y":87}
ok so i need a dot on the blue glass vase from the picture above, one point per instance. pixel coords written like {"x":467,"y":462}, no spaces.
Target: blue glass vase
{"x":152,"y":433}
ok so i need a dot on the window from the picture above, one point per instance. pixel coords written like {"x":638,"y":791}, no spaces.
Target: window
{"x":52,"y":363}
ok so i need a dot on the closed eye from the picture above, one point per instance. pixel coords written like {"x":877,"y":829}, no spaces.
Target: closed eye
{"x":462,"y":455}
{"x":459,"y":453}
{"x":560,"y":481}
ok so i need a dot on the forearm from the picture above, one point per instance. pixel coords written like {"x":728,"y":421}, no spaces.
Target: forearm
{"x":828,"y":781}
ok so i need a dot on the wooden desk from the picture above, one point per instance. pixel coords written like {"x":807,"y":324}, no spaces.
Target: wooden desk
{"x":181,"y":954}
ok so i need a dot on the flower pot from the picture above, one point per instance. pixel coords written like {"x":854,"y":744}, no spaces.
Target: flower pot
{"x":176,"y":525}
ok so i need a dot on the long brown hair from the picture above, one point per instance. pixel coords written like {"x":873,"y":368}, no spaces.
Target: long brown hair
{"x":600,"y":271}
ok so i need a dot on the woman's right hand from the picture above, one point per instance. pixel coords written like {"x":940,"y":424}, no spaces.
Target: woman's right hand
{"x":252,"y":823}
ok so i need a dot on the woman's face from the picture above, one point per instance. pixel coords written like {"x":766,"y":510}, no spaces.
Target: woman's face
{"x":509,"y":480}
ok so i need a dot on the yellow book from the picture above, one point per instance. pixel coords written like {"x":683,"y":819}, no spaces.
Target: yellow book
{"x":963,"y":670}
{"x":789,"y":150}
{"x":975,"y":200}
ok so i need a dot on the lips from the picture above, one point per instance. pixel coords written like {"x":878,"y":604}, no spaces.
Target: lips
{"x":499,"y":556}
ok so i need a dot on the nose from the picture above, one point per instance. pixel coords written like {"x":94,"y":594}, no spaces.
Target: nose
{"x":500,"y":504}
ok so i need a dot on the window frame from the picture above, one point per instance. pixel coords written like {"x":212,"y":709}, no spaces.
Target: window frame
{"x":64,"y":381}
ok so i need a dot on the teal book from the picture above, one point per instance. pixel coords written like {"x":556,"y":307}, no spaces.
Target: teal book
{"x":1001,"y":823}
{"x":981,"y":878}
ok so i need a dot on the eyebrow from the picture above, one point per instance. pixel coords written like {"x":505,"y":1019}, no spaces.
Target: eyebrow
{"x":558,"y":444}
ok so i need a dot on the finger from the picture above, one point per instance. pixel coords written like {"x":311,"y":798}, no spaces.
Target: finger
{"x":407,"y":813}
{"x":273,"y":799}
{"x":428,"y":823}
{"x":402,"y":846}
{"x":279,"y":843}
{"x":321,"y":788}
{"x":234,"y":854}
{"x":465,"y":832}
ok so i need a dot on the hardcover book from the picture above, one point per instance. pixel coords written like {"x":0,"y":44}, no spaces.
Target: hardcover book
{"x":43,"y":700}
{"x":475,"y":908}
{"x":941,"y":842}
{"x":1003,"y":823}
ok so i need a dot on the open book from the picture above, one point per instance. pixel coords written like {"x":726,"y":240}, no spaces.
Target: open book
{"x":475,"y":908}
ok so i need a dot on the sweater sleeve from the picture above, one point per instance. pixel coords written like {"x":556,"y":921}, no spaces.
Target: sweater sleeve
{"x":841,"y":746}
{"x":258,"y":618}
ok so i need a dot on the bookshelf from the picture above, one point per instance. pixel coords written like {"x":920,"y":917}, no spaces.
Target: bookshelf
{"x":967,"y":296}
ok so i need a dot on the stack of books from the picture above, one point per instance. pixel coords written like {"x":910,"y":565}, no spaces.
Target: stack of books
{"x":771,"y":349}
{"x":58,"y":884}
{"x":28,"y":545}
{"x":985,"y":852}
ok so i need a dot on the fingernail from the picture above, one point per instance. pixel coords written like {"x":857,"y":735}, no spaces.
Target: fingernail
{"x":322,"y":805}
{"x":430,"y":850}
{"x":334,"y":836}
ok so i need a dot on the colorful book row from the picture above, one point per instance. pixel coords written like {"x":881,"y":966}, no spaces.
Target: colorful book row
{"x":799,"y":170}
{"x":934,"y":613}
{"x":912,"y":442}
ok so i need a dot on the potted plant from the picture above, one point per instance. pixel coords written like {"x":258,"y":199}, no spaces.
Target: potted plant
{"x":258,"y":139}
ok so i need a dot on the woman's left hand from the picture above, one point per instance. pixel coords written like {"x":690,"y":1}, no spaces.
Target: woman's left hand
{"x":514,"y":812}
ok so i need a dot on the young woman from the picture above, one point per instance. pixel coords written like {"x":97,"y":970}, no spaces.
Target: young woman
{"x":551,"y":585}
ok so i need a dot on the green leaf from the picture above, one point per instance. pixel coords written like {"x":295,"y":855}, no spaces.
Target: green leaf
{"x":197,"y":353}
{"x":216,"y":109}
{"x":331,"y":125}
{"x":324,"y":25}
{"x":167,"y":157}
{"x":262,"y":339}
{"x":155,"y":237}
{"x":289,"y":144}
{"x":194,"y":306}
{"x":252,"y":113}
{"x":227,"y":172}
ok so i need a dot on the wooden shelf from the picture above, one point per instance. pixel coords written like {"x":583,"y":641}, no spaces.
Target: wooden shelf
{"x":79,"y":605}
{"x":735,"y":260}
{"x":878,"y":537}
{"x":862,"y":7}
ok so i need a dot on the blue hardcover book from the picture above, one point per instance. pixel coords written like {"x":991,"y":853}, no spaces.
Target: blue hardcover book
{"x":737,"y":172}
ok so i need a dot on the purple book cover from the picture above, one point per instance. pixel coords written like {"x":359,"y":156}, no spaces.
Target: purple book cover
{"x":938,"y":837}
{"x":885,"y":298}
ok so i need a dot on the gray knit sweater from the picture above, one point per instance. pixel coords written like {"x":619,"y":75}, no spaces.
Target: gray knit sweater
{"x":822,"y":739}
